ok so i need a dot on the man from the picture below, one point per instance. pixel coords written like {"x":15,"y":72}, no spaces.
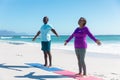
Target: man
{"x":46,"y":40}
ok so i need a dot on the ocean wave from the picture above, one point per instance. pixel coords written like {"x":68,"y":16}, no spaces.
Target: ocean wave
{"x":112,"y":49}
{"x":6,"y":37}
{"x":105,"y":48}
{"x":26,"y":37}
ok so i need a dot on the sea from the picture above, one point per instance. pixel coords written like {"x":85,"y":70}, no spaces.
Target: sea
{"x":110,"y":43}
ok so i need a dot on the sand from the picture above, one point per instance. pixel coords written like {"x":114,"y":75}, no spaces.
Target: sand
{"x":15,"y":56}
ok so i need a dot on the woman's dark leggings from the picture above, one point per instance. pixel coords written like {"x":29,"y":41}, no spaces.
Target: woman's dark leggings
{"x":80,"y":53}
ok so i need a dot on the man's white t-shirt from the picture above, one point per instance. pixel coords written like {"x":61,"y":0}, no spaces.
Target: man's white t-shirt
{"x":45,"y":32}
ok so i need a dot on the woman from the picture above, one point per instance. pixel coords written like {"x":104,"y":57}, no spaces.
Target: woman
{"x":80,"y":44}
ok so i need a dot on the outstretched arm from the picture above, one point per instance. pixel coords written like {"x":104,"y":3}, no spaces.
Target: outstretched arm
{"x":53,"y":30}
{"x":69,"y":39}
{"x":36,"y":35}
{"x":92,"y":37}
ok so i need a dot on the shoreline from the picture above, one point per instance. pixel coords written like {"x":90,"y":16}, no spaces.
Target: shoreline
{"x":69,"y":47}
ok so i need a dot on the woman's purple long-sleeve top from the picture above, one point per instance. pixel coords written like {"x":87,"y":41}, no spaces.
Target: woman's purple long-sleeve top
{"x":80,"y":37}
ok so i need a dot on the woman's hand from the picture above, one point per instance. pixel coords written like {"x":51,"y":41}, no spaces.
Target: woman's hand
{"x":98,"y":42}
{"x":65,"y":43}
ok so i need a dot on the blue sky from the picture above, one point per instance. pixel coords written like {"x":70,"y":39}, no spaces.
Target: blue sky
{"x":103,"y":16}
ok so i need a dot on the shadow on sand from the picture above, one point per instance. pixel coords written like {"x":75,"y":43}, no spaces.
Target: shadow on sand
{"x":40,"y":77}
{"x":12,"y":67}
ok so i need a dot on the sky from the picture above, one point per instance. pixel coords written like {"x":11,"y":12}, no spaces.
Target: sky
{"x":103,"y":16}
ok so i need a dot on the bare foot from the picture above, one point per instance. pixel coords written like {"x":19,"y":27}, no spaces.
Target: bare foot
{"x":50,"y":65}
{"x":84,"y":76}
{"x":78,"y":74}
{"x":45,"y":65}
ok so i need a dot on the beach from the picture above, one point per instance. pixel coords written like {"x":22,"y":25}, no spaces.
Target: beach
{"x":67,"y":28}
{"x":16,"y":58}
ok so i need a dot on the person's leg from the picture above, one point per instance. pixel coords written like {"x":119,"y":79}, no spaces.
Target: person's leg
{"x":49,"y":53}
{"x":82,"y":60}
{"x":50,"y":58}
{"x":46,"y":48}
{"x":43,"y":48}
{"x":45,"y":58}
{"x":78,"y":58}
